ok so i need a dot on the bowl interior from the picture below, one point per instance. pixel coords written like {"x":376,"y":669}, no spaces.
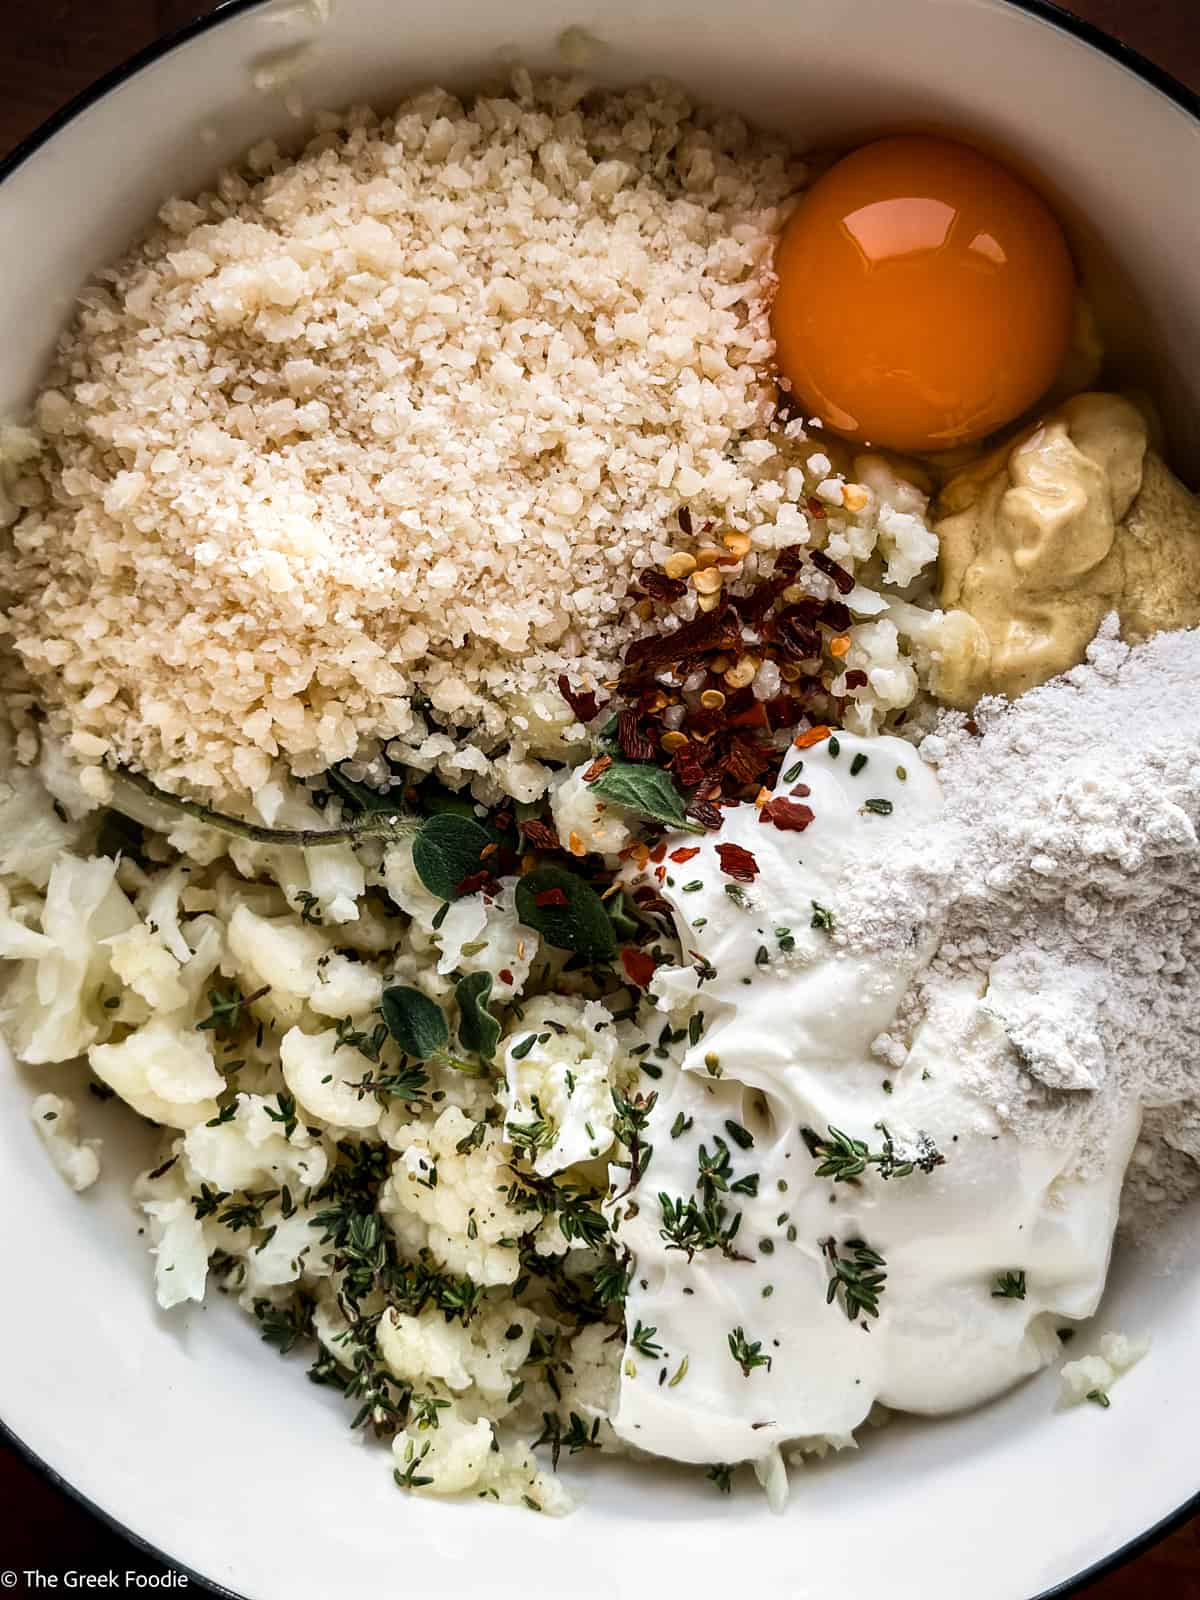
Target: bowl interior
{"x":184,"y":1427}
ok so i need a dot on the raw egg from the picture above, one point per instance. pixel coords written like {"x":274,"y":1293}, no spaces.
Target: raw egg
{"x":925,"y":295}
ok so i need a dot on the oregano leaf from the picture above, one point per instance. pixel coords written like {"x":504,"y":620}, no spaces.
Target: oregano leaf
{"x":567,"y":912}
{"x":648,"y":790}
{"x":448,"y":849}
{"x":477,"y":1027}
{"x":417,"y":1023}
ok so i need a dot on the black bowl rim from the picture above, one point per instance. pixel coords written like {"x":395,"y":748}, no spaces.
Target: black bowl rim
{"x":1046,"y":11}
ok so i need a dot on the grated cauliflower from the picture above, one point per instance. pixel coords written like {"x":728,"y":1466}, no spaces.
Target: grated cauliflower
{"x":457,"y":1196}
{"x":559,"y":1066}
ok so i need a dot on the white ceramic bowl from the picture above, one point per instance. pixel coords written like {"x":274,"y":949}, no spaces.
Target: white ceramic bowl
{"x":185,"y":1429}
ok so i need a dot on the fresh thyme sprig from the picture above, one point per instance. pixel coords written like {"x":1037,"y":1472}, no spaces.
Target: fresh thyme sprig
{"x":576,"y":1436}
{"x":1009,"y":1286}
{"x":629,"y":1126}
{"x":845,"y":1159}
{"x":408,"y":1082}
{"x":690,"y":1227}
{"x":578,"y":1218}
{"x":859,"y":1281}
{"x":642,"y":1340}
{"x":747,"y":1355}
{"x":225,"y":1010}
{"x":539,"y":1133}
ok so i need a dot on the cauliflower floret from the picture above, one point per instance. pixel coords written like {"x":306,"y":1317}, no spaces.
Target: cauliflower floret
{"x":458,"y":1455}
{"x":909,"y":544}
{"x":56,"y":1119}
{"x":62,"y":779}
{"x":467,"y":1197}
{"x":474,"y":935}
{"x":281,"y":1260}
{"x":332,"y":874}
{"x":160,"y":908}
{"x":53,"y":1005}
{"x":590,"y":1387}
{"x":595,"y":823}
{"x":32,"y":834}
{"x":252,"y":1149}
{"x":331,"y":1327}
{"x":321,"y":1077}
{"x":298,"y":964}
{"x":164,"y":1070}
{"x":564,"y":1078}
{"x":177,"y":1237}
{"x":1095,"y":1375}
{"x":448,"y":1459}
{"x":140,"y":960}
{"x":486,"y":1355}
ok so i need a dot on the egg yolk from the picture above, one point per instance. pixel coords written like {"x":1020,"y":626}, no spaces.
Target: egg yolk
{"x":925,"y":295}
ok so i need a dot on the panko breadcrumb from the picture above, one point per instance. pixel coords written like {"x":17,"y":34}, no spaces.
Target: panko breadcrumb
{"x":399,"y":418}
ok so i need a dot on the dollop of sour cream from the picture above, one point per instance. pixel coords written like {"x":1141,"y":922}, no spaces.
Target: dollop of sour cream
{"x":969,"y":1258}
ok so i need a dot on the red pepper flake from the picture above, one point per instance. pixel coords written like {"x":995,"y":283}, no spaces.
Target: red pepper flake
{"x":815,"y":508}
{"x":632,"y":740}
{"x":737,"y":862}
{"x":711,"y":630}
{"x":754,"y":716}
{"x":856,"y":678}
{"x":823,"y":563}
{"x":659,"y":853}
{"x":650,"y":900}
{"x":639,"y":966}
{"x":687,"y":766}
{"x":488,"y":850}
{"x":475,"y":881}
{"x":744,"y":762}
{"x":801,"y":791}
{"x":550,"y":897}
{"x":660,"y":587}
{"x":787,"y":815}
{"x":660,"y":874}
{"x":794,"y":631}
{"x":836,"y":616}
{"x":505,"y":976}
{"x":812,"y":736}
{"x":539,"y":834}
{"x":685,"y":853}
{"x":597,"y":768}
{"x":583,"y":702}
{"x":706,"y":814}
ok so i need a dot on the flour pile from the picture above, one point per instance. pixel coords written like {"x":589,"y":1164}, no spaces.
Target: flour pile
{"x":1064,"y":881}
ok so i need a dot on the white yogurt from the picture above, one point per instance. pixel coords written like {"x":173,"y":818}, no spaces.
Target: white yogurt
{"x":788,"y":1021}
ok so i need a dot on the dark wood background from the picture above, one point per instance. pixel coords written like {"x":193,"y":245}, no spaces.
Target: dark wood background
{"x":51,"y":49}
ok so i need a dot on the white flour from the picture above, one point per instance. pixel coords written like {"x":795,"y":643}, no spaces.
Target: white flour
{"x":1065,"y":875}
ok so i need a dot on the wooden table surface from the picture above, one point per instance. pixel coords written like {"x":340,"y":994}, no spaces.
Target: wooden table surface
{"x":51,"y":49}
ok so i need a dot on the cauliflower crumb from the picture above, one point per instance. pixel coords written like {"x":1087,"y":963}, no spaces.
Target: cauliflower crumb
{"x":1095,"y":1375}
{"x":464,"y":1208}
{"x":76,"y":1160}
{"x":559,"y":1068}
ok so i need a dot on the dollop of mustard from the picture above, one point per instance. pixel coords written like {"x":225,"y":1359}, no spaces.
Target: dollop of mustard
{"x":1075,"y":517}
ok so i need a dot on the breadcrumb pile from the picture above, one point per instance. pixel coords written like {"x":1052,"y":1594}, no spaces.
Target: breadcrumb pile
{"x":385,"y":431}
